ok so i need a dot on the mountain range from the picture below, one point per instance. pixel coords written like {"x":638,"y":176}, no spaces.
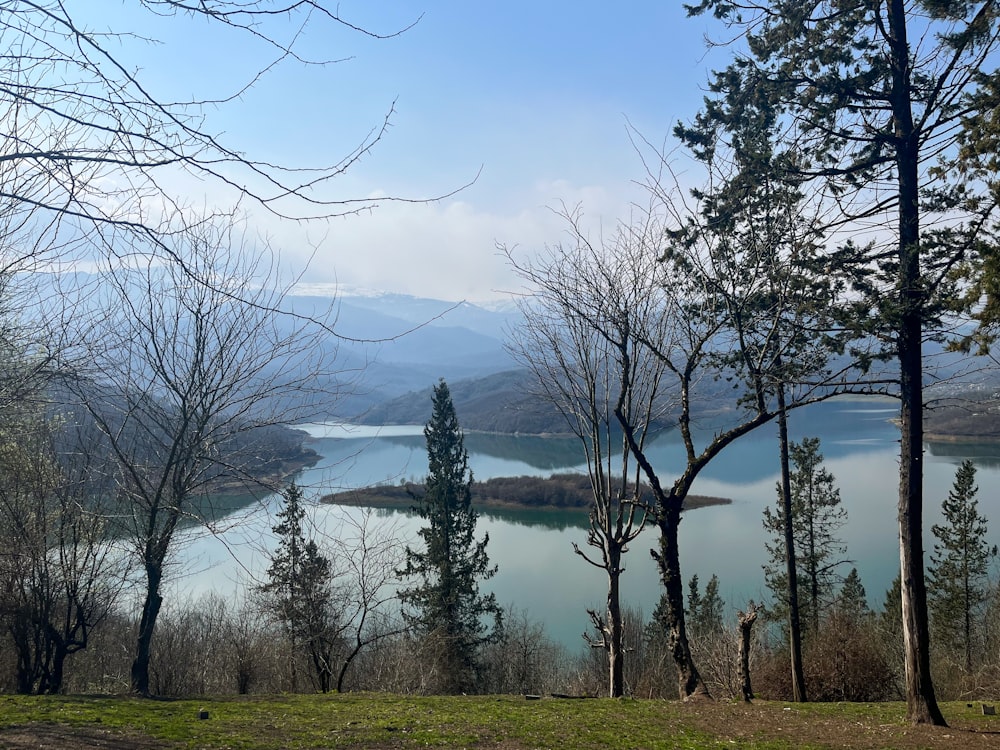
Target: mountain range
{"x":403,"y":345}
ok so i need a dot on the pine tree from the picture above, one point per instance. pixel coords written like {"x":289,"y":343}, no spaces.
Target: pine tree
{"x":852,"y":601}
{"x":959,"y":562}
{"x":298,"y":591}
{"x":816,"y":519}
{"x":704,"y":610}
{"x":887,"y":106}
{"x":446,"y":605}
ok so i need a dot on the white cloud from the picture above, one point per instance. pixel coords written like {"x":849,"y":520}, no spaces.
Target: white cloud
{"x":445,"y":250}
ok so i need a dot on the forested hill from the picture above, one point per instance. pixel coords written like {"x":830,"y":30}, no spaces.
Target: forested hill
{"x":974,"y":418}
{"x":502,"y":403}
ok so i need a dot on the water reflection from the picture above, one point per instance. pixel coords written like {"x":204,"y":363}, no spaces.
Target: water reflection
{"x":538,"y":570}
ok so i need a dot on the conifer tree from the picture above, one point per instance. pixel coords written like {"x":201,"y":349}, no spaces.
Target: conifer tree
{"x":959,"y":562}
{"x":816,"y":519}
{"x":299,"y":591}
{"x":704,"y":610}
{"x":852,"y":601}
{"x":888,"y":106}
{"x":445,"y":605}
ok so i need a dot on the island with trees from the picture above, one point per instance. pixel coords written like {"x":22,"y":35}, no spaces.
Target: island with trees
{"x":570,"y":492}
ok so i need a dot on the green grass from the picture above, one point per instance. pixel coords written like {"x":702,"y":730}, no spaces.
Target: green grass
{"x":386,"y":721}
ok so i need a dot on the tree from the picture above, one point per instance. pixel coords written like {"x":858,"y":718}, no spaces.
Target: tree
{"x":746,"y":621}
{"x":791,"y":573}
{"x":852,"y":601}
{"x":703,"y":320}
{"x":186,"y":371}
{"x":705,"y":610}
{"x":93,"y":141}
{"x":299,"y":591}
{"x":589,"y":373}
{"x":368,"y":555}
{"x":59,"y":576}
{"x":876,"y":102}
{"x":816,"y":518}
{"x":959,"y":564}
{"x":445,"y":605}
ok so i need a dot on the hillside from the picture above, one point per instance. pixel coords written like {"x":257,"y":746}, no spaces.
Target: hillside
{"x":974,"y":418}
{"x":501,"y":402}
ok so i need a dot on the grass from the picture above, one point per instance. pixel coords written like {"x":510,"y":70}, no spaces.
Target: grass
{"x":359,"y":720}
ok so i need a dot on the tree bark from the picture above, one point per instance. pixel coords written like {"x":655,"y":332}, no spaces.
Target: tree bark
{"x":616,"y":650}
{"x":746,"y":620}
{"x":794,"y":623}
{"x":690,"y":683}
{"x":147,"y":624}
{"x":921,"y":703}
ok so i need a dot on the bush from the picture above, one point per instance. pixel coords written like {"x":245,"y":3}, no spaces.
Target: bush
{"x":844,"y":661}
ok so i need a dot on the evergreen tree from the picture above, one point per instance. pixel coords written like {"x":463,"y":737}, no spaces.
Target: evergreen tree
{"x":816,"y":519}
{"x":704,"y":610}
{"x":299,"y":591}
{"x":958,"y":567}
{"x":889,"y":107}
{"x":446,"y":604}
{"x":852,"y":601}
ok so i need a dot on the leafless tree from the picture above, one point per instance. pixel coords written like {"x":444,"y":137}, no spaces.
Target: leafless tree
{"x":59,"y":574}
{"x":716,"y":322}
{"x":586,"y":303}
{"x":746,"y":620}
{"x":95,"y":143}
{"x":185,"y":373}
{"x":369,"y":554}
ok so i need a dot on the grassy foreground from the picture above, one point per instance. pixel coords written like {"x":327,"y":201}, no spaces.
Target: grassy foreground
{"x":360,"y":720}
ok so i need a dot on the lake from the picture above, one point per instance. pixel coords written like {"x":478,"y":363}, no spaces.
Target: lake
{"x":538,"y":571}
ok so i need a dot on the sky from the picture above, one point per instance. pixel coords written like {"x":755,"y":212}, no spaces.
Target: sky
{"x":511,"y":110}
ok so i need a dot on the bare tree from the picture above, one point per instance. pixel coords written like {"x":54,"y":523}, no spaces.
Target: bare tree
{"x":587,"y":300}
{"x":95,"y":143}
{"x":746,"y":620}
{"x":716,"y":313}
{"x":58,"y":574}
{"x":369,"y":554}
{"x":186,"y":374}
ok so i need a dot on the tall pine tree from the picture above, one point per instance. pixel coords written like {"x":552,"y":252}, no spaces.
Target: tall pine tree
{"x":959,"y":563}
{"x":816,"y":519}
{"x":888,"y":107}
{"x":445,"y":605}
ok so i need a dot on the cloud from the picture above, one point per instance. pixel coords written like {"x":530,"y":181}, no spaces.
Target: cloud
{"x":446,"y":250}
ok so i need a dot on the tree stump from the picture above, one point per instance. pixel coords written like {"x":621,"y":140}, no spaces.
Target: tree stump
{"x":747,"y":620}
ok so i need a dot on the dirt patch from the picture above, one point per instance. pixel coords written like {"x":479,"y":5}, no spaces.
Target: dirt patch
{"x":52,"y":736}
{"x":742,"y":723}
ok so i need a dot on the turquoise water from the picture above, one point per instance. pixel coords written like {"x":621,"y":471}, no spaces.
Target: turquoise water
{"x":538,"y":571}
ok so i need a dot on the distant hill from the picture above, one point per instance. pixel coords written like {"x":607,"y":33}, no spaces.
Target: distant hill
{"x":501,"y":402}
{"x":393,"y":344}
{"x":973,"y":416}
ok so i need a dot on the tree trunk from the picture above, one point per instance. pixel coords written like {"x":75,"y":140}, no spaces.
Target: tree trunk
{"x":921,"y":703}
{"x":691,"y":686}
{"x":616,"y":649}
{"x":747,"y":620}
{"x":794,"y":624}
{"x":147,"y":624}
{"x":55,"y":681}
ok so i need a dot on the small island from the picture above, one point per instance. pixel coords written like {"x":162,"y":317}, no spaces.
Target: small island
{"x":558,"y":492}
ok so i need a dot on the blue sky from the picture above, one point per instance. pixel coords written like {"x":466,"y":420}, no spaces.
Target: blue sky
{"x":531,"y":96}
